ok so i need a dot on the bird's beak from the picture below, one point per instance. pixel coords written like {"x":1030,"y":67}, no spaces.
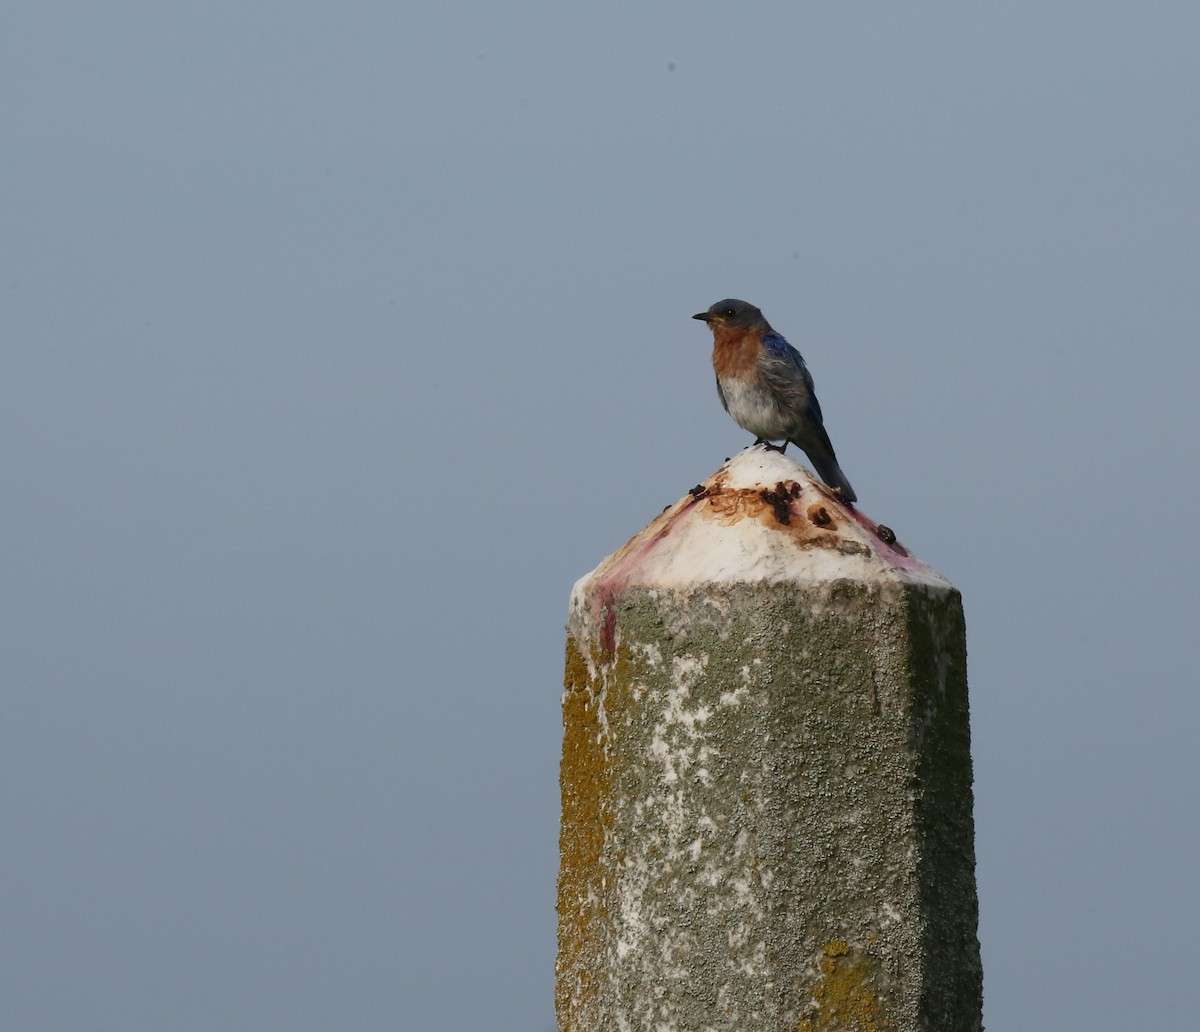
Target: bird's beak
{"x":702,"y":316}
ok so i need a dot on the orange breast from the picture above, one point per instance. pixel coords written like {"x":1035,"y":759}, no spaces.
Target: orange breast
{"x":735,"y":352}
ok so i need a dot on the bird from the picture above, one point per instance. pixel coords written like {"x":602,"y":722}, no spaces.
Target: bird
{"x":767,"y":389}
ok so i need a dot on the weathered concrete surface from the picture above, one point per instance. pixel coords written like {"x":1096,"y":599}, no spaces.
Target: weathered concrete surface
{"x":766,"y":775}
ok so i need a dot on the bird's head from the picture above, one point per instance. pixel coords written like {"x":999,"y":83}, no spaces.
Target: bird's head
{"x":731,"y":314}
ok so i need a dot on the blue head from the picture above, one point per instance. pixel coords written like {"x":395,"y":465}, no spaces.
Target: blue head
{"x":732,"y":314}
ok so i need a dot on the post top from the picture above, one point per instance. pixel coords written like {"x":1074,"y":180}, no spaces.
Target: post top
{"x":760,"y":517}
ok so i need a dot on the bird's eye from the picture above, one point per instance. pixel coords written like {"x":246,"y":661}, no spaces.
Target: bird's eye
{"x":728,"y":311}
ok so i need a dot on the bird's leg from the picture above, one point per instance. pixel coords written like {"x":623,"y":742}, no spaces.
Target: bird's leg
{"x":771,"y":447}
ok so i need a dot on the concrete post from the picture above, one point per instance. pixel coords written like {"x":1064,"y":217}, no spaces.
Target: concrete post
{"x":766,"y":775}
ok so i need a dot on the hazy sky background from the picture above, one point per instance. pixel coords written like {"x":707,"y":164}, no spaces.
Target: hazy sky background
{"x":340,"y":339}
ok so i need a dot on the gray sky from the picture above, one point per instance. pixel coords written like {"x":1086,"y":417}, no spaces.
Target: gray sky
{"x":340,"y":339}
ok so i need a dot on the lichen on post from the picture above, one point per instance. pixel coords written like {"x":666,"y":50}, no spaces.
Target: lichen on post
{"x":766,"y":774}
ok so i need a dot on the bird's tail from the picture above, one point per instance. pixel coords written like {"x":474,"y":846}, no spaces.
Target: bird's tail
{"x":826,"y":465}
{"x":833,"y":476}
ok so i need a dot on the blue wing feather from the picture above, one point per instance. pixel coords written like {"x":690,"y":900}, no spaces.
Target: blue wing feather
{"x":779,"y":364}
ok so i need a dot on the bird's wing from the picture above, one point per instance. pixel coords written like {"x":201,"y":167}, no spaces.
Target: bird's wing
{"x":721,"y":395}
{"x":785,"y":374}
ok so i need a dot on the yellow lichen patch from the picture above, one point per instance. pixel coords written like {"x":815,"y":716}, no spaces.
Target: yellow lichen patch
{"x":845,"y":996}
{"x":585,"y":820}
{"x":576,"y":677}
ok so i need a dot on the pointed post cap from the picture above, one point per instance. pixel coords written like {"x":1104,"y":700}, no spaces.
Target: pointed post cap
{"x":760,"y":517}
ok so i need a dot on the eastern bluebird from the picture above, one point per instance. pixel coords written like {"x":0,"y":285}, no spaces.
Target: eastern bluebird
{"x":765,"y":385}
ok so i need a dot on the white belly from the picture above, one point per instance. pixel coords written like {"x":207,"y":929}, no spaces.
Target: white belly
{"x":756,"y":410}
